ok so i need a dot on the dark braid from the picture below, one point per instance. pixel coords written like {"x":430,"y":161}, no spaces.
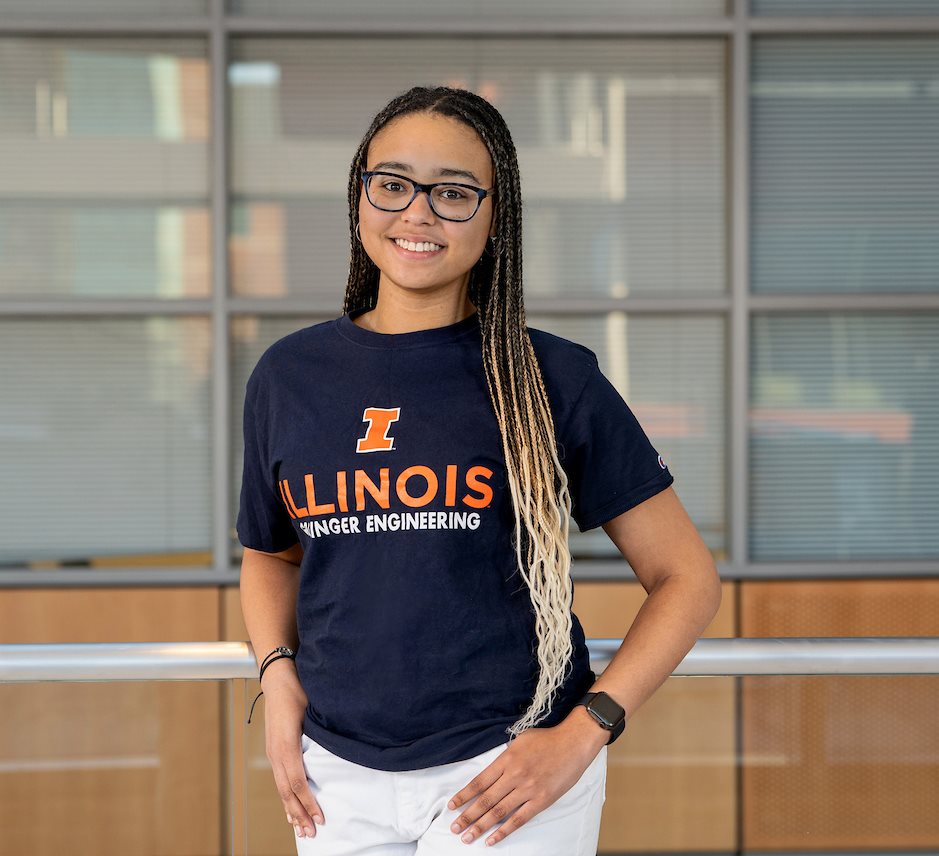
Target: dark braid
{"x":538,"y":483}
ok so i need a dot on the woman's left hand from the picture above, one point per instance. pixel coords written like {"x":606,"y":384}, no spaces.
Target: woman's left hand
{"x":537,"y":768}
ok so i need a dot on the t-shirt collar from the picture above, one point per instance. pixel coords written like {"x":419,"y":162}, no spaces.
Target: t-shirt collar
{"x":416,"y":338}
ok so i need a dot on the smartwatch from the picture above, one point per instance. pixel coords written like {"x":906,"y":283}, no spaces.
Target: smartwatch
{"x":606,"y":712}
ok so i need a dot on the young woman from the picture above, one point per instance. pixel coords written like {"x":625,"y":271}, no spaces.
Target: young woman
{"x":409,"y":475}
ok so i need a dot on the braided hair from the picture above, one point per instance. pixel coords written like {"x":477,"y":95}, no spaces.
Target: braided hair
{"x":538,"y":483}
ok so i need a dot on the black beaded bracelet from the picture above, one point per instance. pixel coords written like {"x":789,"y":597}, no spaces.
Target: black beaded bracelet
{"x":278,"y":653}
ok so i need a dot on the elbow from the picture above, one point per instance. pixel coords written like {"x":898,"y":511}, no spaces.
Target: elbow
{"x":715,"y":589}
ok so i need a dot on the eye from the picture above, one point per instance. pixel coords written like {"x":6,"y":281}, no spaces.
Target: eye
{"x":452,"y":194}
{"x":392,"y":185}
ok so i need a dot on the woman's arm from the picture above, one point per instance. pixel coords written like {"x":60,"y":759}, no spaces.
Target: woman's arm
{"x":676,"y":569}
{"x":269,"y":586}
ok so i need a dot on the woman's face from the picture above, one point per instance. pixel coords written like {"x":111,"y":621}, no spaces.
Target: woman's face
{"x":420,"y":146}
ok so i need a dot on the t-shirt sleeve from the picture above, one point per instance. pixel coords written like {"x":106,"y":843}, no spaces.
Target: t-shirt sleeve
{"x":263,"y":521}
{"x":609,"y":460}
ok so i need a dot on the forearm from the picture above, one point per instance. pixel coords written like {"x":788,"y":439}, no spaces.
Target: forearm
{"x":671,"y":619}
{"x":269,"y":587}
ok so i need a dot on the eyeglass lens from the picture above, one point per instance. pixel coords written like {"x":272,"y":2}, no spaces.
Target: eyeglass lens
{"x":394,"y":194}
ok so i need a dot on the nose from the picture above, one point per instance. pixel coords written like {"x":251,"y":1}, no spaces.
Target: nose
{"x":420,"y":208}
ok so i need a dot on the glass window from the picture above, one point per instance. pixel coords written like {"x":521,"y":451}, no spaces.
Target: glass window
{"x":670,"y":370}
{"x":104,"y":441}
{"x":844,"y":437}
{"x":845,"y":165}
{"x":621,"y":151}
{"x":104,"y":187}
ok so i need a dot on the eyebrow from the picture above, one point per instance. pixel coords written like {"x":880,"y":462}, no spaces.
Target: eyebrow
{"x":447,"y":171}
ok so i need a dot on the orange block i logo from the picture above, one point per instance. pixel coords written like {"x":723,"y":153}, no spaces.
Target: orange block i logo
{"x":379,"y":420}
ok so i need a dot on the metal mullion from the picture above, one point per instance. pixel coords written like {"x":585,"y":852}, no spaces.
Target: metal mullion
{"x":171,"y":575}
{"x":618,"y":570}
{"x":847,"y":569}
{"x":540,"y":305}
{"x":85,"y":26}
{"x":927,"y":24}
{"x":473,"y":27}
{"x":221,"y":392}
{"x":882,"y":302}
{"x":611,"y":569}
{"x":716,"y":303}
{"x":738,"y":356}
{"x":739,"y":344}
{"x":63,"y":307}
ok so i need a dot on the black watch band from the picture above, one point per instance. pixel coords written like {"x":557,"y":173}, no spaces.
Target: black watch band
{"x":607,"y":713}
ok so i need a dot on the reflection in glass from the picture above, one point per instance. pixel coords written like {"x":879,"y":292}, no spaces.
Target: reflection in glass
{"x":620,"y":142}
{"x":105,"y":441}
{"x":106,"y":194}
{"x":845,"y":164}
{"x":670,"y":371}
{"x":844,"y":437}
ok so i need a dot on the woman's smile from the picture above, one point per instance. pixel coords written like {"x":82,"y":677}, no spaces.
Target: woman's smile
{"x":422,"y":251}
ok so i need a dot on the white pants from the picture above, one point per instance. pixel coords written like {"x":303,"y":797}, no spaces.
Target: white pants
{"x":385,"y":813}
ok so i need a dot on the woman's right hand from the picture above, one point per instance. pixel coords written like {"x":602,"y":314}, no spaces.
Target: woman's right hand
{"x":284,"y":708}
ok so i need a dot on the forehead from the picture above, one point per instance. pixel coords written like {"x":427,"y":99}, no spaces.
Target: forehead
{"x":431,"y":145}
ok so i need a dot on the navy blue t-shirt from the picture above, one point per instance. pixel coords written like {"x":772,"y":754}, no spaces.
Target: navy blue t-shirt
{"x":380,"y":453}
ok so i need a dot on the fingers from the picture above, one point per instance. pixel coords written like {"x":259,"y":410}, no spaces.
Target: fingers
{"x":521,"y":816}
{"x":476,"y":786}
{"x":492,"y":806}
{"x":300,"y":805}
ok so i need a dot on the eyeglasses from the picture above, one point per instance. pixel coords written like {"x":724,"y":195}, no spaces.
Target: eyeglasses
{"x":388,"y":191}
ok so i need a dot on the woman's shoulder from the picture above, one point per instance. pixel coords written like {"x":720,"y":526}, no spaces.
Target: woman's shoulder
{"x":563,"y":362}
{"x":556,"y":352}
{"x":301,"y":343}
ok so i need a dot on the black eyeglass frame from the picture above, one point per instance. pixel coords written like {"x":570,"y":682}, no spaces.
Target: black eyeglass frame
{"x":427,"y":188}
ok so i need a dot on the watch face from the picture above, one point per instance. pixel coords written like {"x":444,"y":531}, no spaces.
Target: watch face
{"x":606,"y":709}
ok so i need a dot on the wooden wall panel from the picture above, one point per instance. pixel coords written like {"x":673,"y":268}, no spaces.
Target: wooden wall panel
{"x":840,"y":762}
{"x":118,"y":767}
{"x":670,"y":776}
{"x":268,"y":830}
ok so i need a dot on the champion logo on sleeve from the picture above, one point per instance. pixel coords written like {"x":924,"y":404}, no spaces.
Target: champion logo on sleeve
{"x":661,"y":462}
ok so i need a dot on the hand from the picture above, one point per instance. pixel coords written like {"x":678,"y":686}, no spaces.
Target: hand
{"x":283,"y":719}
{"x":535,"y":771}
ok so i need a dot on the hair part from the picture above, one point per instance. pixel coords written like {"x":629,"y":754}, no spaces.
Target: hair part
{"x":539,"y":486}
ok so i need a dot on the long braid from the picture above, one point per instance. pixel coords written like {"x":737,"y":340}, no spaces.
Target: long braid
{"x":538,"y":483}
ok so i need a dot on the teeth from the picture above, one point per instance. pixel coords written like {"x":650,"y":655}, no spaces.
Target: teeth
{"x":424,"y":247}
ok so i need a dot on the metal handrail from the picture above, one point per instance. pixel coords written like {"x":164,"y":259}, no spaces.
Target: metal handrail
{"x":171,"y":661}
